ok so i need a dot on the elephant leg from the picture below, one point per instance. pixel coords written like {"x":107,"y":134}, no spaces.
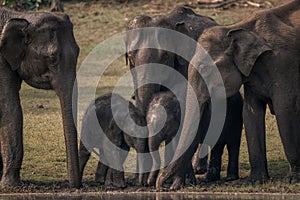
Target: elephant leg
{"x":233,"y":162}
{"x":214,"y":168}
{"x":11,"y":137}
{"x":1,"y":163}
{"x":84,"y":156}
{"x":117,"y":175}
{"x":144,"y":160}
{"x":118,"y":178}
{"x":101,"y":173}
{"x":203,"y":165}
{"x":170,"y":148}
{"x":115,"y":178}
{"x":288,"y":123}
{"x":254,"y":120}
{"x":154,"y":143}
{"x":190,"y":175}
{"x":178,"y":171}
{"x":109,"y":177}
{"x":200,"y":164}
{"x":233,"y":141}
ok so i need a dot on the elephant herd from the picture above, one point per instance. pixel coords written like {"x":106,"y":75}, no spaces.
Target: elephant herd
{"x":260,"y":53}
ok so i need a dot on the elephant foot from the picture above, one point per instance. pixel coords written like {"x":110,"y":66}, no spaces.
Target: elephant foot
{"x":163,"y":177}
{"x":201,"y":169}
{"x":151,"y":181}
{"x":134,"y":179}
{"x":120,"y":185}
{"x":100,"y":179}
{"x":293,"y":178}
{"x":9,"y":182}
{"x":232,"y":177}
{"x":212,"y":175}
{"x":257,"y":180}
{"x":139,"y":180}
{"x":115,"y":184}
{"x":191,"y":179}
{"x":178,"y":183}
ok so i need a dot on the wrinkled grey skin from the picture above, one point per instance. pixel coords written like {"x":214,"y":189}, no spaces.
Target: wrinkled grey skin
{"x":181,"y":19}
{"x":230,"y":136}
{"x":260,"y":52}
{"x":40,"y":49}
{"x":118,"y":137}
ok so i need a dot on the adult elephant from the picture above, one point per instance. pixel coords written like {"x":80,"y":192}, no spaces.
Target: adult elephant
{"x":180,"y":19}
{"x":40,"y":49}
{"x":262,"y":53}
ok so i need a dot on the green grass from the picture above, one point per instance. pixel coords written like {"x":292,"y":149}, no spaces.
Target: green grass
{"x":44,"y":159}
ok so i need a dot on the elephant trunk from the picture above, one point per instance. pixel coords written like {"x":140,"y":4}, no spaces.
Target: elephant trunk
{"x":66,"y":89}
{"x":69,"y":113}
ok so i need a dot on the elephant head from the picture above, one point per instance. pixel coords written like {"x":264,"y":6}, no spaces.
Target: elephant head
{"x":41,"y":49}
{"x":181,"y":19}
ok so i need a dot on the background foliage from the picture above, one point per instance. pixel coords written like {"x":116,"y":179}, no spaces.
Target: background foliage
{"x":25,"y":4}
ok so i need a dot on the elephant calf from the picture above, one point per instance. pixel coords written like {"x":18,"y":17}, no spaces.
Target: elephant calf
{"x":230,"y":136}
{"x":167,"y":125}
{"x":112,"y":115}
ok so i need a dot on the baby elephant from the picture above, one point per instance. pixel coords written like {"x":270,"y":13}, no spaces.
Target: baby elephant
{"x":164,"y":115}
{"x":170,"y":122}
{"x":117,"y":139}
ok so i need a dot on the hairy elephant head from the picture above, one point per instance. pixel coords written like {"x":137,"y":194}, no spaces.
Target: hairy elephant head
{"x":181,"y":19}
{"x":42,"y":49}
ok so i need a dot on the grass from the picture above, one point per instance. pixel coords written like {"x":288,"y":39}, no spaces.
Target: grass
{"x":44,"y":160}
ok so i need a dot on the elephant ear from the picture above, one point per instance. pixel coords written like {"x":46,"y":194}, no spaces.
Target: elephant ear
{"x":13,"y":41}
{"x":247,"y":47}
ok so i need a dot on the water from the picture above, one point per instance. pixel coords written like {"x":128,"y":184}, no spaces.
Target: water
{"x":148,"y":196}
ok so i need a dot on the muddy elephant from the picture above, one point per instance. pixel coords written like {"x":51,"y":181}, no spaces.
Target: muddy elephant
{"x":110,"y":111}
{"x":260,"y":53}
{"x":40,"y":49}
{"x":230,"y":136}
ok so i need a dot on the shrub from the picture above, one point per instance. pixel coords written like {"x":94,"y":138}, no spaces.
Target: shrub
{"x":25,"y":4}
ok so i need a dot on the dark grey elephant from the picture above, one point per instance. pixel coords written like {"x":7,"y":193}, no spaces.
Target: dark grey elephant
{"x":110,"y":170}
{"x":260,"y":52}
{"x":40,"y":49}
